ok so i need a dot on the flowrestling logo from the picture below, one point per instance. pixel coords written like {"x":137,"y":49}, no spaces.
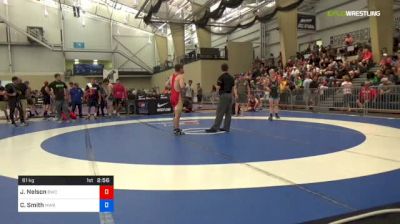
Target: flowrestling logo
{"x":353,"y":13}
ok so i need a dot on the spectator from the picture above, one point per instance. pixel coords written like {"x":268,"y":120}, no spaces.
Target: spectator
{"x":347,"y":92}
{"x":353,"y":69}
{"x":271,"y":60}
{"x":46,"y":100}
{"x":259,"y":92}
{"x":241,"y":91}
{"x":284,"y":90}
{"x":3,"y":102}
{"x":322,"y":70}
{"x":366,"y":58}
{"x":298,"y":82}
{"x":108,"y":88}
{"x":396,"y":59}
{"x":199,"y":95}
{"x":367,"y":95}
{"x":31,"y":101}
{"x":307,"y":90}
{"x":76,"y":96}
{"x":323,"y":86}
{"x":348,"y":41}
{"x":189,"y":93}
{"x":384,"y":87}
{"x":332,"y":52}
{"x":252,"y":103}
{"x":166,"y":91}
{"x":315,"y":47}
{"x":386,"y":62}
{"x":102,"y":100}
{"x":385,"y":90}
{"x":396,"y":39}
{"x":214,"y":94}
{"x":24,"y":94}
{"x":92,"y":96}
{"x":70,"y":85}
{"x":119,"y":95}
{"x":14,"y":102}
{"x":396,"y":77}
{"x":372,"y":78}
{"x":255,"y":72}
{"x":314,"y":92}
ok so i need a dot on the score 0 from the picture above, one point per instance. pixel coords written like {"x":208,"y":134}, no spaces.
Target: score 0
{"x":106,"y":198}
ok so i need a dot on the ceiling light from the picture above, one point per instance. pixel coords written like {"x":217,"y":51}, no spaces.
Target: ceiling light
{"x":271,"y":4}
{"x":83,"y":22}
{"x":85,"y":5}
{"x":127,"y":18}
{"x":215,"y":6}
{"x":160,"y":27}
{"x":46,"y":13}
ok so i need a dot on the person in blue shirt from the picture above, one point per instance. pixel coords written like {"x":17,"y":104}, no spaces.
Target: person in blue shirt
{"x":76,"y":94}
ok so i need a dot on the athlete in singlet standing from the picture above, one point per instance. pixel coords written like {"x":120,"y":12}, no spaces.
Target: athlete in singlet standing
{"x":177,"y":84}
{"x":273,"y":89}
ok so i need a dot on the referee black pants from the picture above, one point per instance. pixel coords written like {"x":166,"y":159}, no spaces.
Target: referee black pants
{"x":224,"y":109}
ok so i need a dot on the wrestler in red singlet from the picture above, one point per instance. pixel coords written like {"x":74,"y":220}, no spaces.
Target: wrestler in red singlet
{"x":176,"y":83}
{"x":175,"y":95}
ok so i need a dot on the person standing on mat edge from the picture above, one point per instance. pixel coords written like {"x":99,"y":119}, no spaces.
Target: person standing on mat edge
{"x":273,"y":89}
{"x":14,"y":102}
{"x":59,"y":91}
{"x":119,"y":95}
{"x":76,"y":96}
{"x":3,"y":101}
{"x":242,"y":91}
{"x":199,"y":95}
{"x":177,"y":85}
{"x":46,"y":100}
{"x":226,"y":84}
{"x":24,"y":91}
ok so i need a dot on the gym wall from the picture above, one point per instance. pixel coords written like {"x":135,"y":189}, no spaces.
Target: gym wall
{"x":37,"y":62}
{"x":205,"y":72}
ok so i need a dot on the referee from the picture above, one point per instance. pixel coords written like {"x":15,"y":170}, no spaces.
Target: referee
{"x":225,"y":83}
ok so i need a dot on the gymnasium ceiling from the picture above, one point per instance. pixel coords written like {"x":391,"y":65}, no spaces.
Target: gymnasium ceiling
{"x":177,"y":11}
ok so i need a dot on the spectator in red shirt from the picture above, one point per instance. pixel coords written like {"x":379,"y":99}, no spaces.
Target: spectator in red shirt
{"x":367,"y":94}
{"x":253,"y":103}
{"x":366,"y":58}
{"x":386,"y":62}
{"x":119,"y":94}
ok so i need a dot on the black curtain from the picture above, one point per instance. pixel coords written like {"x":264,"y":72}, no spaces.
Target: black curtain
{"x":217,"y":13}
{"x":261,"y":19}
{"x":153,"y":9}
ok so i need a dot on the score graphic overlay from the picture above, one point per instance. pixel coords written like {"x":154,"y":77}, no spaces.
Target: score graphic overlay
{"x":65,"y":194}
